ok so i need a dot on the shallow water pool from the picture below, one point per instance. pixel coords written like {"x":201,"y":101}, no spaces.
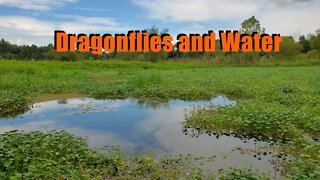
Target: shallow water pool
{"x":140,"y":126}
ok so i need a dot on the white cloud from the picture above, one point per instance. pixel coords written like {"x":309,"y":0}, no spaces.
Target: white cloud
{"x":195,"y":27}
{"x":83,"y":24}
{"x":200,"y":10}
{"x":288,"y":2}
{"x":26,"y":24}
{"x":35,"y":4}
{"x":94,"y":9}
{"x":289,"y":17}
{"x":292,"y":21}
{"x":29,"y":30}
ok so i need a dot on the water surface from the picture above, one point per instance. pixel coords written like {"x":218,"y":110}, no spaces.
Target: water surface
{"x":140,"y":125}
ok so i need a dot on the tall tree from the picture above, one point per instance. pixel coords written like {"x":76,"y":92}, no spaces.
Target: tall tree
{"x":315,"y":40}
{"x":251,"y":25}
{"x":304,"y":44}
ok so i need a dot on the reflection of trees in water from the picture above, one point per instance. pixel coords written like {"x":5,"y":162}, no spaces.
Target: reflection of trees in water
{"x":63,"y":101}
{"x":153,"y":103}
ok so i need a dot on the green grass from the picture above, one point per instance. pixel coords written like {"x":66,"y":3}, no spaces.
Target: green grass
{"x":276,"y":103}
{"x":191,"y":80}
{"x":59,"y":155}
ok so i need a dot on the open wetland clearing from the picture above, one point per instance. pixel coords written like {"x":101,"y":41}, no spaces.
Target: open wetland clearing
{"x":116,"y":120}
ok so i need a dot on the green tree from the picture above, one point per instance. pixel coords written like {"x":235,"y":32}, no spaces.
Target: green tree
{"x":156,"y":56}
{"x":288,"y":48}
{"x":304,"y":44}
{"x":251,"y":25}
{"x":315,"y":40}
{"x":155,"y":30}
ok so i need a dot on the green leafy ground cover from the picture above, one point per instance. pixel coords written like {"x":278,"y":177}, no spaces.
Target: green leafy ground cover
{"x":280,"y":104}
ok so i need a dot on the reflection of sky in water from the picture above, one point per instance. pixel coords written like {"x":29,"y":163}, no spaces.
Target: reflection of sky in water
{"x":137,"y":125}
{"x":127,"y":122}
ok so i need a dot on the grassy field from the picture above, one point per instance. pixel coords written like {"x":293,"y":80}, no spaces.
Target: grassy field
{"x":275,"y":103}
{"x":23,"y":82}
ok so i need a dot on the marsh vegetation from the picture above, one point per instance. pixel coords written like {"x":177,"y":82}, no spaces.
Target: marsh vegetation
{"x":274,"y":104}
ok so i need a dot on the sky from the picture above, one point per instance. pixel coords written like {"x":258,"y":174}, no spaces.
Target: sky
{"x":34,"y":21}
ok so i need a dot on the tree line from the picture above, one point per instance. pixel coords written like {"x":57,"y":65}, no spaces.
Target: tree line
{"x":307,"y":47}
